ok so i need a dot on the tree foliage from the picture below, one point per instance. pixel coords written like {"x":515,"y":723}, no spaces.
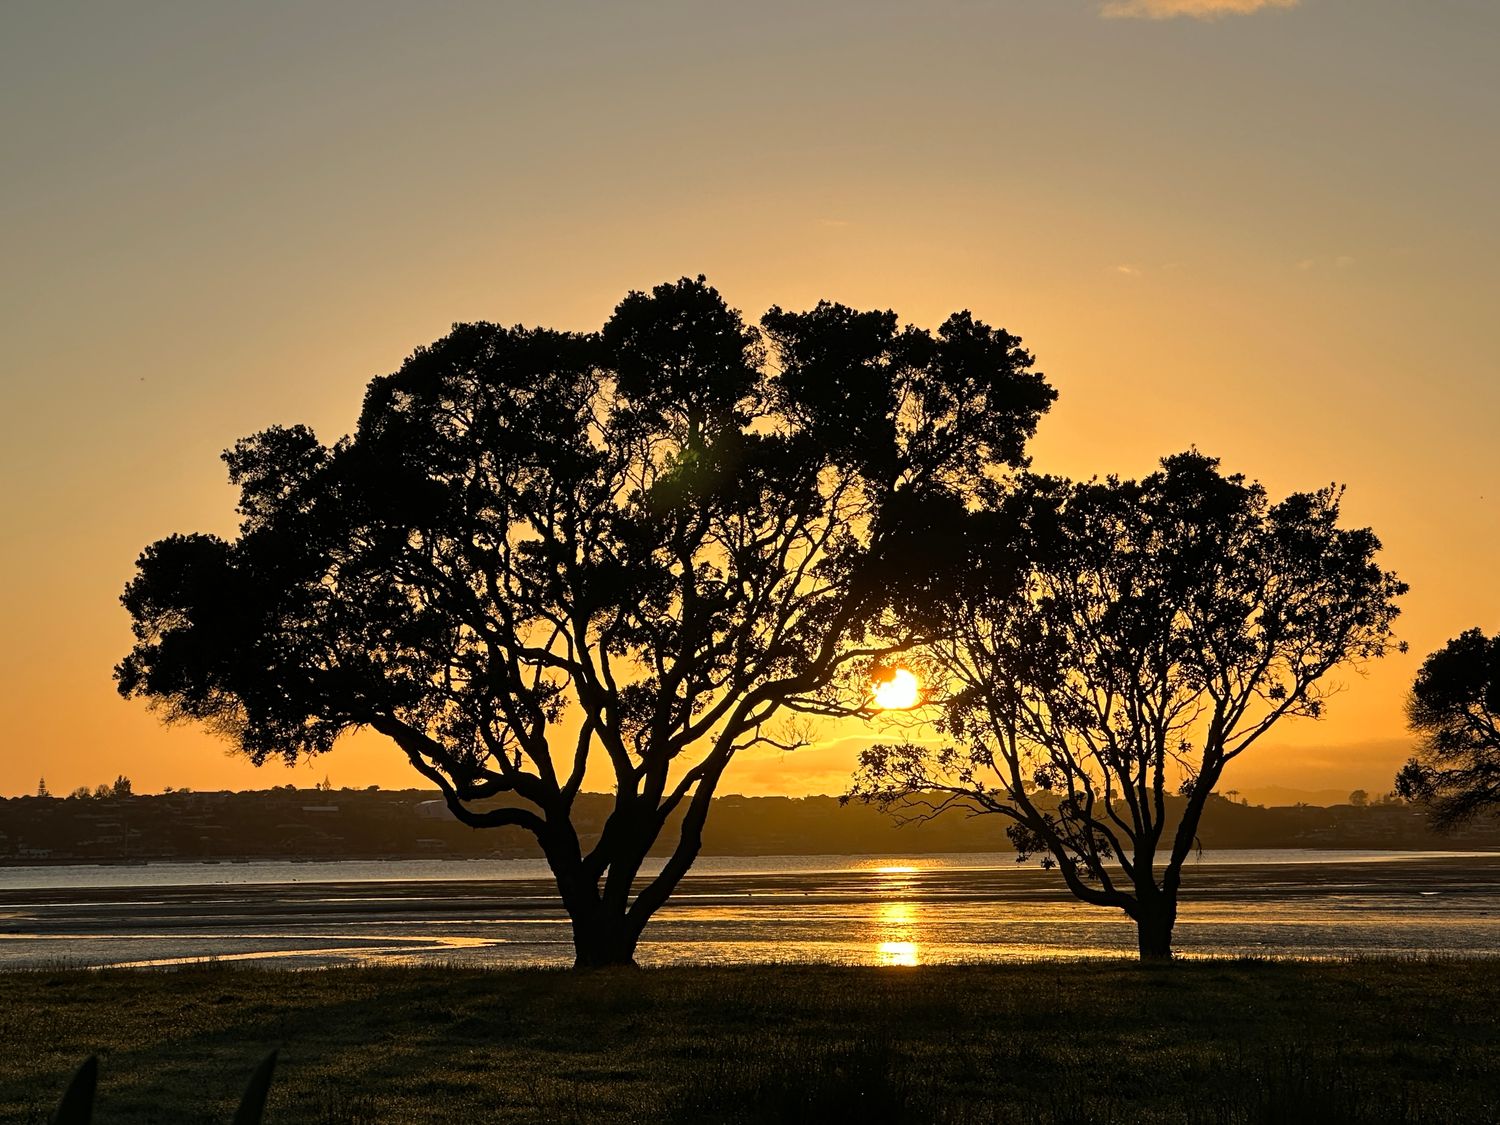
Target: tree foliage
{"x":545,"y":557}
{"x":1454,"y":709}
{"x":1117,"y":642}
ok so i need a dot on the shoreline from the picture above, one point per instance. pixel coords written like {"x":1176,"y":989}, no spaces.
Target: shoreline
{"x":13,"y":864}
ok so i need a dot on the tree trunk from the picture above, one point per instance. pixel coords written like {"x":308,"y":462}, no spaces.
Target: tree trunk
{"x":603,"y":939}
{"x":603,"y":932}
{"x":1153,"y":927}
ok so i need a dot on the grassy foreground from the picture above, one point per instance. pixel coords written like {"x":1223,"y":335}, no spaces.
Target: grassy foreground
{"x":1219,"y":1042}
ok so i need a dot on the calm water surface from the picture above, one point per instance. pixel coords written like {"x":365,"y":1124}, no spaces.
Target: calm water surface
{"x":890,"y":910}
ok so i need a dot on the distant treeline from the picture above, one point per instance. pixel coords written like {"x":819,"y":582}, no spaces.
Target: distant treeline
{"x":319,"y":823}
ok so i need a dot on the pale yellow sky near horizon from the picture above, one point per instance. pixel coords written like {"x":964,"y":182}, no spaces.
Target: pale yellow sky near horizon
{"x":1264,"y":229}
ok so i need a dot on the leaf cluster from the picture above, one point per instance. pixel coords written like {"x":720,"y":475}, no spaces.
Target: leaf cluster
{"x":540,"y":548}
{"x":1454,"y":709}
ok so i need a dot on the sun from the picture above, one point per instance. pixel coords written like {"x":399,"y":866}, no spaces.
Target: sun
{"x":899,"y":693}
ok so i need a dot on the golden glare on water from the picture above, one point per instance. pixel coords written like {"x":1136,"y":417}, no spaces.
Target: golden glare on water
{"x":896,"y":919}
{"x":897,"y":923}
{"x":899,"y":693}
{"x":902,"y":953}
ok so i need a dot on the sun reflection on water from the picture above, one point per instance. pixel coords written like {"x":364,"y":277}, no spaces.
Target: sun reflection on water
{"x":897,"y":919}
{"x":896,"y":924}
{"x":897,"y":953}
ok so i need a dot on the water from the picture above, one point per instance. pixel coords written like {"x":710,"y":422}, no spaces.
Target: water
{"x":882,"y":910}
{"x":233,"y":872}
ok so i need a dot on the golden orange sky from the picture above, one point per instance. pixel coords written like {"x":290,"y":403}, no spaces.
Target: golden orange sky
{"x":1260,"y":227}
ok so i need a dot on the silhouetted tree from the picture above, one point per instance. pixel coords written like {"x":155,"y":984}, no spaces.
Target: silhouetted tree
{"x":636,"y":550}
{"x":1454,"y":709}
{"x":121,"y":787}
{"x":41,"y":788}
{"x":1359,"y":798}
{"x":1147,"y":635}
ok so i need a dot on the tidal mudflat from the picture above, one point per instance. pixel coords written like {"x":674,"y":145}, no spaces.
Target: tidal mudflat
{"x":857,"y":910}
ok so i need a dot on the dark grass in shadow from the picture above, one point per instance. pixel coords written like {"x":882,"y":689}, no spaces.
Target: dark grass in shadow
{"x":1216,"y":1043}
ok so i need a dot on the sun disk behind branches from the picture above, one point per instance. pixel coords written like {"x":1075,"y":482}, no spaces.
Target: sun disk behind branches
{"x":899,"y":693}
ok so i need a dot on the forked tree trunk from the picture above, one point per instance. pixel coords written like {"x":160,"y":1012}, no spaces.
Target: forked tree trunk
{"x":604,"y":934}
{"x":607,"y":924}
{"x":605,"y":930}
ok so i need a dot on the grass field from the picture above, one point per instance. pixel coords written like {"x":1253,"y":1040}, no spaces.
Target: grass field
{"x":1211,"y":1042}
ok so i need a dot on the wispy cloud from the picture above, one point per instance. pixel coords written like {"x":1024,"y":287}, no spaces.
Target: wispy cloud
{"x":1194,"y":9}
{"x":1342,"y":262}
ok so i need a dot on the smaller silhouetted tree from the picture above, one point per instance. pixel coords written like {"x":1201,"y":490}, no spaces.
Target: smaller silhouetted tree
{"x":1116,"y":645}
{"x":1454,"y":710}
{"x":1359,"y":798}
{"x":41,"y":788}
{"x":121,"y":787}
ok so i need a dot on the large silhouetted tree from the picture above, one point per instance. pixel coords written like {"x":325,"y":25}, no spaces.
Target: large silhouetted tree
{"x":1116,"y":646}
{"x":547,"y":558}
{"x":1454,"y":709}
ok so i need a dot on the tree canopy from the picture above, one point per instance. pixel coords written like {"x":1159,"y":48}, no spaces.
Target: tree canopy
{"x":1454,"y":709}
{"x":635,"y":552}
{"x":1113,"y":646}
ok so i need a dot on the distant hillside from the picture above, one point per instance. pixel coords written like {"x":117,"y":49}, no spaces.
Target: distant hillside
{"x":311,"y":823}
{"x":1274,"y":795}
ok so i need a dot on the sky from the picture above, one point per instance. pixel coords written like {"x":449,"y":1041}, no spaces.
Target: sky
{"x":1265,"y":228}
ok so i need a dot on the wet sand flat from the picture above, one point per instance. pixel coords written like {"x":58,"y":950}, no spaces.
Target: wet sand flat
{"x":891,"y":914}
